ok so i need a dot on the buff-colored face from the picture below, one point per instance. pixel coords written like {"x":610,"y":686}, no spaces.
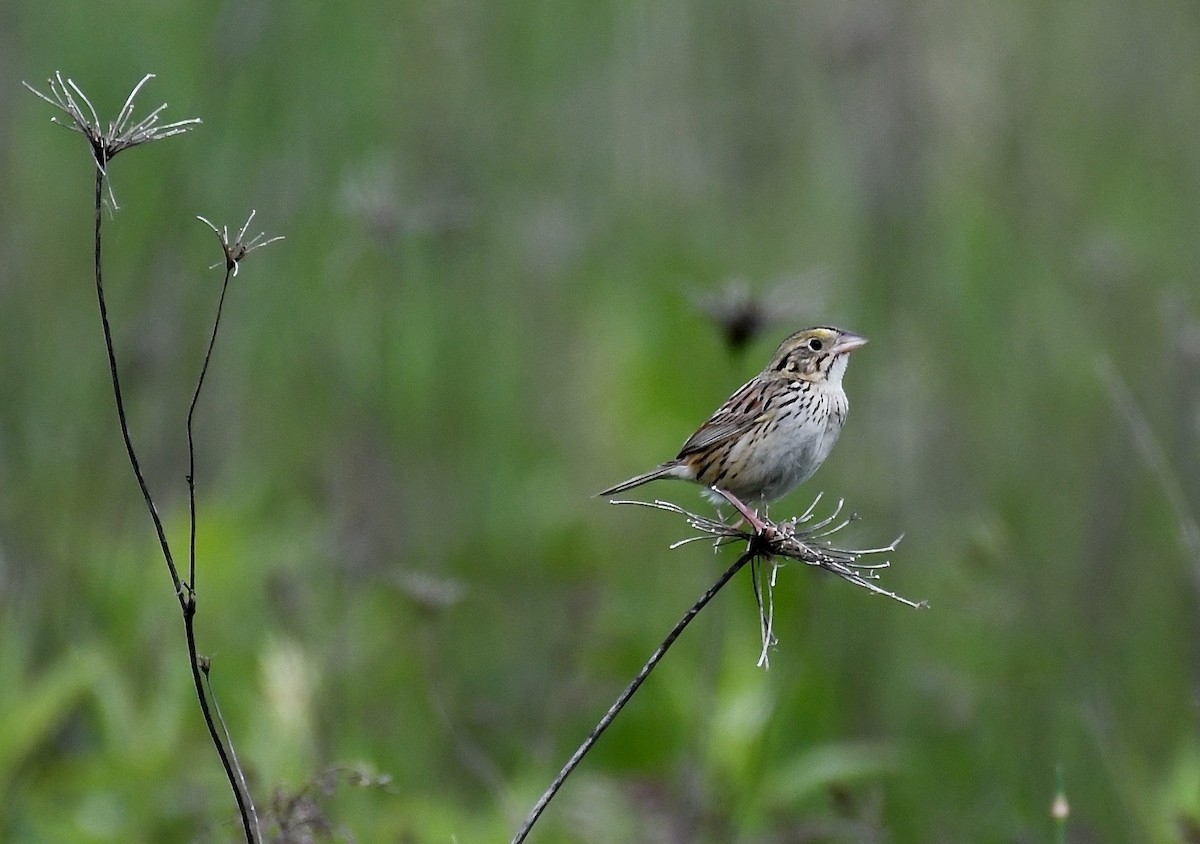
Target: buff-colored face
{"x":810,"y":353}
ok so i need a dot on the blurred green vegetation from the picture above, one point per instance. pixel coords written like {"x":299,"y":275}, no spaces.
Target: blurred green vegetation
{"x":496,"y":218}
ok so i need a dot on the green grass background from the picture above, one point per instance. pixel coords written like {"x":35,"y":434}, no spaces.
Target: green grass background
{"x":497,"y":215}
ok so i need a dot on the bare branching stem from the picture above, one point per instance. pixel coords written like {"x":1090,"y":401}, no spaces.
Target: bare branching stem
{"x":184,"y":592}
{"x":120,"y":135}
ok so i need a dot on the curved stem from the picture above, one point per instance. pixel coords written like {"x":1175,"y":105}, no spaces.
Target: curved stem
{"x":116,"y":384}
{"x":191,"y":475}
{"x":616,"y":708}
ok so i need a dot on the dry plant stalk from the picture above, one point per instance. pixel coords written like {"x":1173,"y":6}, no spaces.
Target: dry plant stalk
{"x":804,"y":538}
{"x":122,"y":134}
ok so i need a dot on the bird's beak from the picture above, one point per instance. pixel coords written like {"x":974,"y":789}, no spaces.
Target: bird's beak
{"x":848,"y":343}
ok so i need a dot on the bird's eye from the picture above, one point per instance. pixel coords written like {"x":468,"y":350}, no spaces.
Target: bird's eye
{"x":815,"y":345}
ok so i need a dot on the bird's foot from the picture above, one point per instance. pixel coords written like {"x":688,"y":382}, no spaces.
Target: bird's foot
{"x":748,"y":515}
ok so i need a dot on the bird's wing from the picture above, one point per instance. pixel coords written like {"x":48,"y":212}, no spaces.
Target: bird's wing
{"x":743,"y":409}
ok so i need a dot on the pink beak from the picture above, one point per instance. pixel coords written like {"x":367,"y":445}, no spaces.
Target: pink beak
{"x":848,"y":342}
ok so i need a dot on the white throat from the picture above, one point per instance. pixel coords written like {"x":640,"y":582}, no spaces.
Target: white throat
{"x":836,"y":370}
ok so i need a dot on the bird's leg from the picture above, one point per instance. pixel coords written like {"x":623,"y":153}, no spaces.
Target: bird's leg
{"x":749,"y":515}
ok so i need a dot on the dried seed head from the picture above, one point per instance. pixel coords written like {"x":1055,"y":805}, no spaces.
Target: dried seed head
{"x":121,"y":133}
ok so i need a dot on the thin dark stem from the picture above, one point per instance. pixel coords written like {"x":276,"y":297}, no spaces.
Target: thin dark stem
{"x":184,"y":593}
{"x":116,"y":383}
{"x":616,"y":708}
{"x":245,"y":808}
{"x":191,"y":475}
{"x":237,"y":765}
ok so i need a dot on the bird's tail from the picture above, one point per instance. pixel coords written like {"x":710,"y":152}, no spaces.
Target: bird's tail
{"x":666,"y":470}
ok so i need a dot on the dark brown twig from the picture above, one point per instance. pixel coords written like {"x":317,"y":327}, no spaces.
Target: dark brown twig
{"x":191,"y":475}
{"x":616,"y":708}
{"x":234,"y":252}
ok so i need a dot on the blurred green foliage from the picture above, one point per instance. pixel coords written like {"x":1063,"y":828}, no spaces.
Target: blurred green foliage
{"x":496,"y":218}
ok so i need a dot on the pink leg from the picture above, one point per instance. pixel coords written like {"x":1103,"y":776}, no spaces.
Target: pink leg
{"x":746,"y":513}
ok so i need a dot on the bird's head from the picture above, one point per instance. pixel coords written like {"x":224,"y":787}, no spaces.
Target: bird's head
{"x":814,"y":354}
